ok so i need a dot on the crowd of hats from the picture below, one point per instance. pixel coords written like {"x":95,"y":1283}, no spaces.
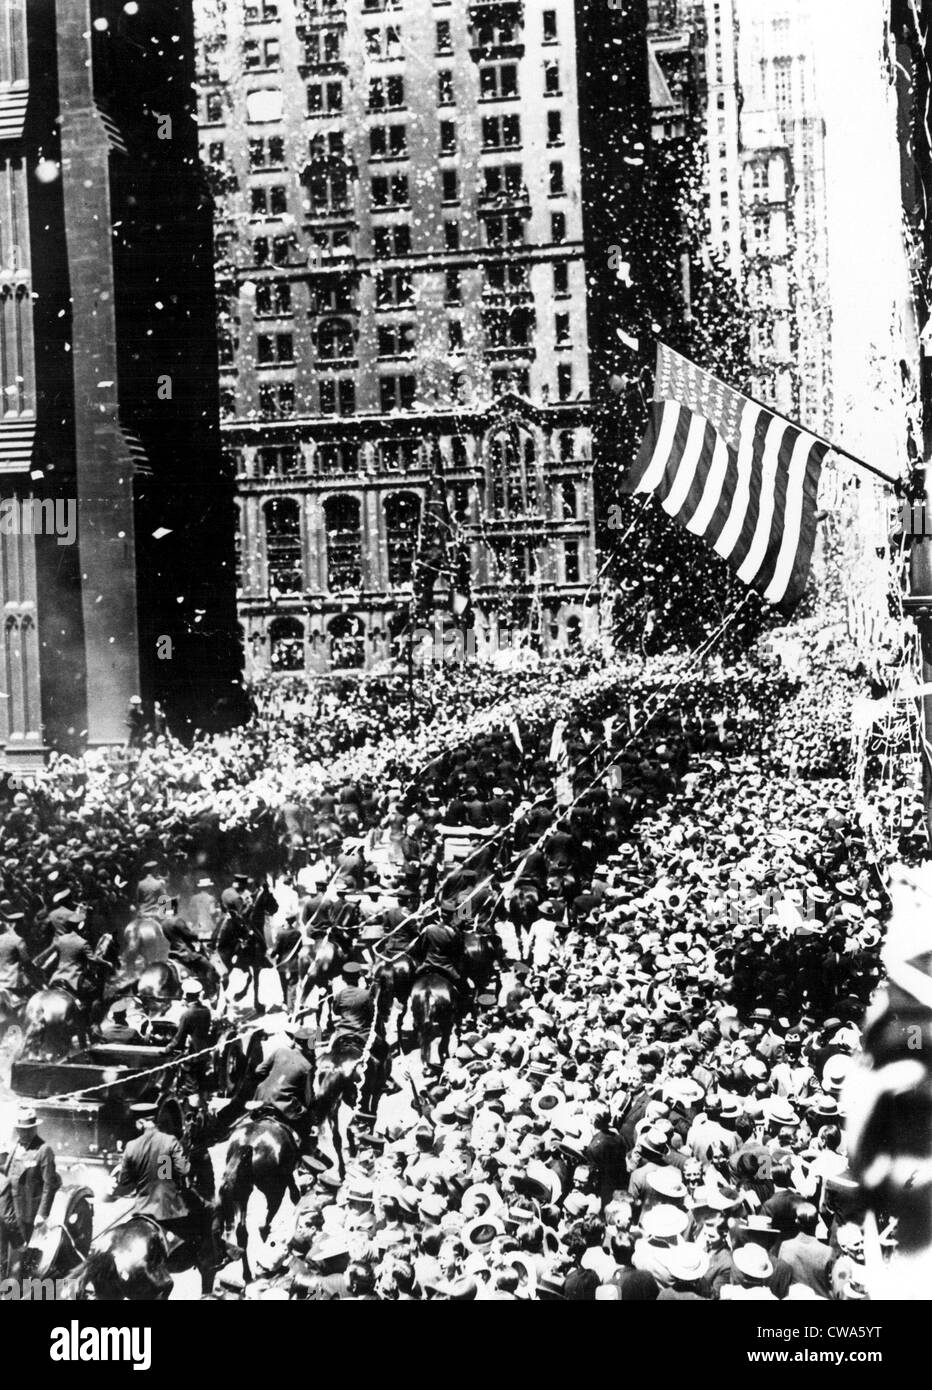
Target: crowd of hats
{"x":652,"y":1106}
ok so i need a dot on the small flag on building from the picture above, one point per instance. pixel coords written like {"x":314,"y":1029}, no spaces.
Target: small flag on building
{"x":734,"y":473}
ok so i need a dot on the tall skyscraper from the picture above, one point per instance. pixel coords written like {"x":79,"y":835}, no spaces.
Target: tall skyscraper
{"x":404,"y":331}
{"x":777,"y":69}
{"x":108,"y":378}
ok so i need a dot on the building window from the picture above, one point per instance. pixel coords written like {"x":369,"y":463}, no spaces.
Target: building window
{"x":550,"y":26}
{"x":451,"y":185}
{"x":554,"y":128}
{"x":336,"y":458}
{"x":344,"y":543}
{"x":347,"y":642}
{"x":286,"y":644}
{"x":396,"y":339}
{"x":335,"y":339}
{"x":571,"y":561}
{"x":323,"y":48}
{"x":393,"y":287}
{"x":283,"y":545}
{"x":456,"y":335}
{"x":568,"y":500}
{"x":283,"y":461}
{"x":557,"y":187}
{"x":558,"y":227}
{"x":328,"y":191}
{"x":386,"y":93}
{"x":384,"y":43}
{"x":505,"y":230}
{"x":561,"y":278}
{"x":498,"y":81}
{"x":269,"y":200}
{"x":402,"y":523}
{"x":447,"y":137}
{"x":324,"y":97}
{"x":337,"y":395}
{"x":274,"y":348}
{"x":214,"y":107}
{"x":273,"y":297}
{"x":562,"y":329}
{"x":445,"y":87}
{"x":552,"y":79}
{"x":392,"y":241}
{"x":564,"y":381}
{"x":396,"y":392}
{"x":388,"y":142}
{"x":444,"y":36}
{"x":501,"y":132}
{"x":390,"y":191}
{"x":451,"y":235}
{"x":267,"y":153}
{"x":453,"y":288}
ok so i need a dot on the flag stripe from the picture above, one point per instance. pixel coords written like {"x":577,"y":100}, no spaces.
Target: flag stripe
{"x":732,"y":472}
{"x":689,"y":463}
{"x":672,"y":463}
{"x":665,"y":428}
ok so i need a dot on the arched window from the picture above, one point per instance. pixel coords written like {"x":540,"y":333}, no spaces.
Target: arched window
{"x":283,"y":545}
{"x":402,"y":522}
{"x":286,"y":644}
{"x":347,"y":644}
{"x":335,"y":340}
{"x":513,"y":475}
{"x":344,"y":543}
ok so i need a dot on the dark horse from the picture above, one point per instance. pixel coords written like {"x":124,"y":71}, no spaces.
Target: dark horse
{"x":130,"y":1262}
{"x":337,"y":1082}
{"x":134,"y":1258}
{"x":433,"y":1008}
{"x":54,"y":1020}
{"x":319,"y":962}
{"x":263,"y":1154}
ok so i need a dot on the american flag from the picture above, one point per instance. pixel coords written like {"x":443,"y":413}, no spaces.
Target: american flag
{"x":733,"y":472}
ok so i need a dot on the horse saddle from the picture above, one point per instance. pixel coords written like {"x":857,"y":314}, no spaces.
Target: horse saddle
{"x":261,"y":1110}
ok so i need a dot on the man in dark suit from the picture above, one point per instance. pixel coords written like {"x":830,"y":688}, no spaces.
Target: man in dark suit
{"x":286,"y":1080}
{"x":809,"y":1259}
{"x":31,"y":1172}
{"x":72,"y":956}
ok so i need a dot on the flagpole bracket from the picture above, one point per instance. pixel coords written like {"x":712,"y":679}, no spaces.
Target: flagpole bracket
{"x":918,"y":607}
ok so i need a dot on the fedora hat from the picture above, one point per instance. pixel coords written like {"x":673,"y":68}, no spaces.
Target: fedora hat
{"x":479,"y":1198}
{"x":687,"y":1262}
{"x":753,"y":1261}
{"x":482,"y":1231}
{"x":26,"y":1118}
{"x":664,"y":1222}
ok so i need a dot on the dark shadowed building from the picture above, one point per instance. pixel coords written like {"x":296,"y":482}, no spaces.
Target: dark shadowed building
{"x":108,"y":379}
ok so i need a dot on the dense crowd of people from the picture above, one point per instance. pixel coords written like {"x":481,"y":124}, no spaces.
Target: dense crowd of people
{"x":643,"y":1097}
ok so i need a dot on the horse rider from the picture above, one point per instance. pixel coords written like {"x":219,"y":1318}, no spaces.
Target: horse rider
{"x":286,"y":1082}
{"x":30,"y":1172}
{"x":17,"y":972}
{"x":441,"y":951}
{"x":154,"y":1170}
{"x":70,"y":958}
{"x":353,"y":1011}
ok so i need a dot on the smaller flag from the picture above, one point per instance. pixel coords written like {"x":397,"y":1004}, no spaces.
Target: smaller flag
{"x":733,"y":472}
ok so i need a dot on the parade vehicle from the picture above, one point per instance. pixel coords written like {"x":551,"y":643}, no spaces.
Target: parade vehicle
{"x":83,"y":1101}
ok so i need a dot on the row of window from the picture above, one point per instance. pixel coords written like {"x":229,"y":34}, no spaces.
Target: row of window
{"x":335,"y":294}
{"x":397,"y":391}
{"x":403,"y":455}
{"x":335,"y":339}
{"x":402,"y":514}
